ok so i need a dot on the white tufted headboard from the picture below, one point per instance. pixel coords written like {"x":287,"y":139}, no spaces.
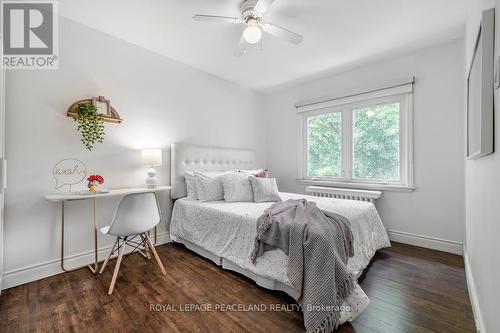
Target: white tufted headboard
{"x":188,"y":157}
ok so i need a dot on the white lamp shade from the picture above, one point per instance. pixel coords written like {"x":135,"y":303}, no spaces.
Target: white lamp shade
{"x":151,"y":156}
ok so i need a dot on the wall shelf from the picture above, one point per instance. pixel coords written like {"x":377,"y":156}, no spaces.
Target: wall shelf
{"x":111,"y":117}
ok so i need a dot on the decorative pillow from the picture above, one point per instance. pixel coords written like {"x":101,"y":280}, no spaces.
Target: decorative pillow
{"x":264,"y":189}
{"x":237,"y":187}
{"x":259,"y":173}
{"x":209,"y":185}
{"x":192,"y":191}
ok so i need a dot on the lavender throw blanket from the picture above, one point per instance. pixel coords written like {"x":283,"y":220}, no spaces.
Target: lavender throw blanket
{"x":318,"y":245}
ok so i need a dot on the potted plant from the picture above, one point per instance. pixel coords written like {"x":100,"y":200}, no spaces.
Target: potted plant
{"x":90,"y":124}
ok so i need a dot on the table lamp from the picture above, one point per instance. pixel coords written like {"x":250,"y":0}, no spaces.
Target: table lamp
{"x":151,"y":157}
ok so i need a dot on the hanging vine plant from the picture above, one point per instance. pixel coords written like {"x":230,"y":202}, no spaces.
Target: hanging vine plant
{"x":90,"y":125}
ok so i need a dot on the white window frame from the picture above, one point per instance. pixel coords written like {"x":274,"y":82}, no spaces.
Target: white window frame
{"x":402,"y":94}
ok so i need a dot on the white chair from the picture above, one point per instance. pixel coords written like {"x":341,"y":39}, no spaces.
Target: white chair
{"x":135,"y":215}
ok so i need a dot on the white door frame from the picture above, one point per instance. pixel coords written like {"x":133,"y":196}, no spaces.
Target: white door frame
{"x":3,"y":163}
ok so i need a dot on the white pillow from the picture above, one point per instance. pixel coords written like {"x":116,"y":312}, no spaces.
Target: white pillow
{"x":237,"y":187}
{"x":192,"y":191}
{"x":264,"y":189}
{"x":209,"y":185}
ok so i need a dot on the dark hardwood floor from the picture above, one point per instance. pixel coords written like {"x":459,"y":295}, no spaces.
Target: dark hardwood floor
{"x":411,"y":290}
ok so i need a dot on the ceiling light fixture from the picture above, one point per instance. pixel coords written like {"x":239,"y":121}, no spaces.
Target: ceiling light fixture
{"x":252,"y":33}
{"x":253,"y":25}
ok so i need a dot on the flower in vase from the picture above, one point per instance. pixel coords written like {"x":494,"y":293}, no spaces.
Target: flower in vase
{"x":94,"y":182}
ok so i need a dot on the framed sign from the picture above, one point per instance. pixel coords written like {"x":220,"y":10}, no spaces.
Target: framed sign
{"x":102,"y":105}
{"x":69,"y":172}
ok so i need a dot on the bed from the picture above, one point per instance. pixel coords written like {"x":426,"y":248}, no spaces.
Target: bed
{"x":225,"y":232}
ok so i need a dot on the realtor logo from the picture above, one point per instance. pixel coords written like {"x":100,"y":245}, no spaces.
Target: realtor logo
{"x":30,"y":34}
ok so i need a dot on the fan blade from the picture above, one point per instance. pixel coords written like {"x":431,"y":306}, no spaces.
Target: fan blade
{"x":282,"y":33}
{"x":213,"y":18}
{"x":263,"y":5}
{"x":240,"y":48}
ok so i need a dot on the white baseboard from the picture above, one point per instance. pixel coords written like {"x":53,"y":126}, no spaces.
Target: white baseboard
{"x":471,"y":286}
{"x":39,"y":271}
{"x":426,"y":241}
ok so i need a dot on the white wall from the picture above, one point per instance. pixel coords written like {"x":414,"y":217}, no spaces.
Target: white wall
{"x":161,"y":102}
{"x":435,"y":210}
{"x":483,"y":201}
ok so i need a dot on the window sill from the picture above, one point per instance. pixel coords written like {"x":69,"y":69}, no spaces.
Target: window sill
{"x":356,"y":185}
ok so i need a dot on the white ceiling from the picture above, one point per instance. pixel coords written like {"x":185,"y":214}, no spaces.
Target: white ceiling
{"x":337,"y":33}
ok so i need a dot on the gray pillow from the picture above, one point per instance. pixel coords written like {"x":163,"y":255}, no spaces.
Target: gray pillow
{"x":264,"y":189}
{"x":209,"y":185}
{"x":237,"y":188}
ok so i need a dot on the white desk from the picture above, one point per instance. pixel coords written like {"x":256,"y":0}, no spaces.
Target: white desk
{"x":63,"y":197}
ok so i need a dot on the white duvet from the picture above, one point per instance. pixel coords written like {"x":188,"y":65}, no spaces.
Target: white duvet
{"x":228,"y":230}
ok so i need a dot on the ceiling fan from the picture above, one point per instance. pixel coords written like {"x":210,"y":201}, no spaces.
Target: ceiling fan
{"x":252,"y":13}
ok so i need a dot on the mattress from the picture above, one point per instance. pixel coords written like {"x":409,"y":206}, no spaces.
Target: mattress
{"x":228,"y":230}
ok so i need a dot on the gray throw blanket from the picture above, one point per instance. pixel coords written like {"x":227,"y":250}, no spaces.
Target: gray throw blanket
{"x":318,"y":245}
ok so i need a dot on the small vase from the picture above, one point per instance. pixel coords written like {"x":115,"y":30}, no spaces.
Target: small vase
{"x":93,"y":187}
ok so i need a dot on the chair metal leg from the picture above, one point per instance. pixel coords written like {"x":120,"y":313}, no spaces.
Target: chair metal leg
{"x":109,"y":256}
{"x":155,"y":254}
{"x":117,"y":266}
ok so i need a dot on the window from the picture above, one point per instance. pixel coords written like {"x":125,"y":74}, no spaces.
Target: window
{"x":324,"y":145}
{"x":364,"y":140}
{"x":375,"y":142}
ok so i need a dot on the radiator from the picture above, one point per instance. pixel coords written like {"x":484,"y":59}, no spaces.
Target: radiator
{"x":344,"y":193}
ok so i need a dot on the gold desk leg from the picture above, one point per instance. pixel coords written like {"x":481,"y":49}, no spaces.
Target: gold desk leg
{"x":156,"y":234}
{"x":146,"y":245}
{"x":62,"y":237}
{"x":95,"y":269}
